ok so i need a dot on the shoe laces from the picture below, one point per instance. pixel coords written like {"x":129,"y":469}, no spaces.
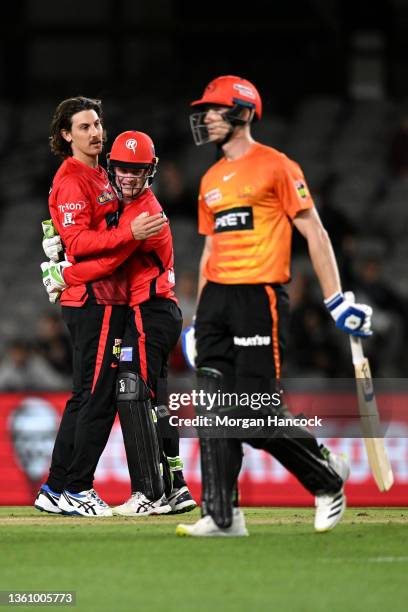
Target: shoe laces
{"x":98,"y":500}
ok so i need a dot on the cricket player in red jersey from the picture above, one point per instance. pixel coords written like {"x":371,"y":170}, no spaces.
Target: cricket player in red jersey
{"x":84,"y":210}
{"x":153,"y":327}
{"x":249,"y":202}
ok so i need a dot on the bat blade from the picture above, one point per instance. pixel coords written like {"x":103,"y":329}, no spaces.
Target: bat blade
{"x":371,"y":427}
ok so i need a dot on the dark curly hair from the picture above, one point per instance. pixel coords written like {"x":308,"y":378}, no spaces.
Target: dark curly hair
{"x":62,"y":120}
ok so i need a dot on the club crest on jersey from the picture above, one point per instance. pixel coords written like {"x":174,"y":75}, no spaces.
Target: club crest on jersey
{"x":246,"y":191}
{"x":116,"y":349}
{"x":213,"y":196}
{"x":301,"y":190}
{"x":106,"y":196}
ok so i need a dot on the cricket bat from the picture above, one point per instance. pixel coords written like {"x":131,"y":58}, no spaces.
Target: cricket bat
{"x":370,"y":422}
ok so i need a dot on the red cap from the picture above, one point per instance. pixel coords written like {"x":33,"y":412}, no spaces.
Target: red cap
{"x":133,"y":147}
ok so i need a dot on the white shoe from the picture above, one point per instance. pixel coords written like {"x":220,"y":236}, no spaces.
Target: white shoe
{"x":340,"y":464}
{"x":206,"y":527}
{"x":86,"y":503}
{"x":181,"y":501}
{"x":139,"y":505}
{"x":330,"y":508}
{"x":47,"y":500}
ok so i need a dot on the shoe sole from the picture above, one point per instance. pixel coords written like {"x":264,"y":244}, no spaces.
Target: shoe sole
{"x":339,"y":517}
{"x":182,"y":531}
{"x":184,"y":507}
{"x":59,"y":511}
{"x":156,"y":512}
{"x":75,"y":513}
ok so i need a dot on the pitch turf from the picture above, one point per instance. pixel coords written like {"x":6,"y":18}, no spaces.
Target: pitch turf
{"x":139,"y":565}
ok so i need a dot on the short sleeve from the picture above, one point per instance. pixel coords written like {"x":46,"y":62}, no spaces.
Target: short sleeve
{"x":291,"y":187}
{"x":205,"y":216}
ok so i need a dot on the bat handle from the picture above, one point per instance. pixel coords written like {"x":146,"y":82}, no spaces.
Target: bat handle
{"x":355,"y":342}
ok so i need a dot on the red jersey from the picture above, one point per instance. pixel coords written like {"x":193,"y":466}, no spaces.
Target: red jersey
{"x":150,"y":262}
{"x":84,"y":209}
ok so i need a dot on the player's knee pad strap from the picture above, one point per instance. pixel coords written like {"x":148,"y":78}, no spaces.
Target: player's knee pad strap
{"x":137,"y":419}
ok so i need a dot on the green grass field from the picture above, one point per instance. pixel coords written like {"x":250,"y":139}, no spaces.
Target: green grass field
{"x":139,"y":565}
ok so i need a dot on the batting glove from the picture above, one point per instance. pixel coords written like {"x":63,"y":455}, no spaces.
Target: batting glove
{"x":52,"y":245}
{"x":53,"y":278}
{"x":354,"y":319}
{"x":188,"y":344}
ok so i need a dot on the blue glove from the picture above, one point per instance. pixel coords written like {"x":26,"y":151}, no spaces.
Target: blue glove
{"x":354,"y":319}
{"x":188,"y":344}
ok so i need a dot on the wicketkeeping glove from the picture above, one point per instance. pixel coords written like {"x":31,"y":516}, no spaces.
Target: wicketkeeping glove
{"x":355,"y":319}
{"x":53,"y":279}
{"x":52,"y":245}
{"x":188,"y":344}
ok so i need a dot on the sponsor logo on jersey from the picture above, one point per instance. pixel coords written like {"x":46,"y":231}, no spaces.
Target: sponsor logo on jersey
{"x":73,"y":206}
{"x":68,"y":219}
{"x":106,"y":196}
{"x":302,"y":190}
{"x":252,"y":340}
{"x":171,"y":278}
{"x":126,"y":354}
{"x":244,"y":90}
{"x":213,"y":196}
{"x":234,"y":219}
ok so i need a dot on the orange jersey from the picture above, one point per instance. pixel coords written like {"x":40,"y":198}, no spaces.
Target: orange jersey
{"x":247,"y":206}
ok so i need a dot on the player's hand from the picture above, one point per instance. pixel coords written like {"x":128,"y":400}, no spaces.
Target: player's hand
{"x":355,"y":319}
{"x":144,"y":225}
{"x":52,"y":247}
{"x":48,"y":228}
{"x":188,"y":345}
{"x":52,"y":244}
{"x":53,"y":278}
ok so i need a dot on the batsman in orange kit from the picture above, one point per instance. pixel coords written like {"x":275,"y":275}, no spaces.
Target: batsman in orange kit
{"x":249,"y":202}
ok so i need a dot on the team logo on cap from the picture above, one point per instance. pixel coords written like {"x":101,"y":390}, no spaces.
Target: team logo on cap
{"x":131,"y":144}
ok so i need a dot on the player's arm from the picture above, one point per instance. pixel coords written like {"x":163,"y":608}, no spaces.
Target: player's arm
{"x":94,"y":268}
{"x":80,"y":240}
{"x":72,"y":215}
{"x":203,"y":262}
{"x":324,"y":263}
{"x":352,"y":318}
{"x":206,"y":228}
{"x":297,"y":203}
{"x":188,"y":342}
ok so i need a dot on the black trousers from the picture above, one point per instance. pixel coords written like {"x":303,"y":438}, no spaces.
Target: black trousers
{"x":96,"y":331}
{"x":152,"y":331}
{"x":241,"y":331}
